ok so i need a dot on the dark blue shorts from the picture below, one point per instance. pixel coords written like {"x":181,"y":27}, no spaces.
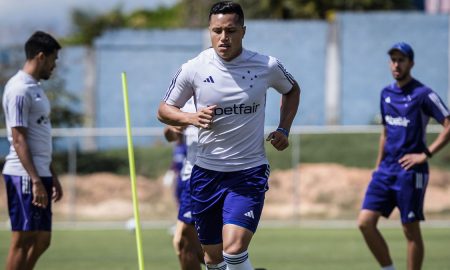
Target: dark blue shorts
{"x":23,"y":214}
{"x":220,"y":198}
{"x":185,"y":202}
{"x":405,"y":190}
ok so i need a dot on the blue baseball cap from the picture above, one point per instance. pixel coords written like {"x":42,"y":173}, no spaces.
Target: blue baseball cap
{"x":404,"y":48}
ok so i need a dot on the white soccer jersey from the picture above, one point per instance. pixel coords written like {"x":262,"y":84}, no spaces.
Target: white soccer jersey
{"x":238,"y":88}
{"x":191,"y":140}
{"x":26,"y":105}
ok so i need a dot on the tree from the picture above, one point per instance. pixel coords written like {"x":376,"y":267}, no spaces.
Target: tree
{"x":196,"y":11}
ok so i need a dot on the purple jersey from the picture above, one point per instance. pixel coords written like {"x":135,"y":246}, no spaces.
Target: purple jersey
{"x":405,"y":113}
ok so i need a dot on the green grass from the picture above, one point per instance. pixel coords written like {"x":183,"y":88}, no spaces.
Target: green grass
{"x":273,"y":248}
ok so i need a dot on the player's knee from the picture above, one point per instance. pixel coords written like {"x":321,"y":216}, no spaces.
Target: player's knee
{"x":234,"y":248}
{"x":24,"y":240}
{"x":44,"y":244}
{"x":211,"y":259}
{"x":236,"y":245}
{"x":412,"y":233}
{"x":365,"y":225}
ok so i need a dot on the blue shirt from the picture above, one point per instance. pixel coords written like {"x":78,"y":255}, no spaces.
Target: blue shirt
{"x":405,"y":114}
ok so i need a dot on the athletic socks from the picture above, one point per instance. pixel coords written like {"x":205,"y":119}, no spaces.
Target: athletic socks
{"x":390,"y":267}
{"x":238,"y":261}
{"x":220,"y":266}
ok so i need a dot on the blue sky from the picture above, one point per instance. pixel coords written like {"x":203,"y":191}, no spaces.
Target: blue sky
{"x":18,"y":18}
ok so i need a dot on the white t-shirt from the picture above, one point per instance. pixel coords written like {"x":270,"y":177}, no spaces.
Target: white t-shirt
{"x":26,"y":105}
{"x":191,"y":140}
{"x":238,"y":88}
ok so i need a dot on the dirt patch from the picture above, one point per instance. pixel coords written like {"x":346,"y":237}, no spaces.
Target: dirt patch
{"x":105,"y":196}
{"x":311,"y":191}
{"x":335,"y":191}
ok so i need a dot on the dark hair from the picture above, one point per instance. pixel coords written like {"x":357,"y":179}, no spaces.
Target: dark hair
{"x":40,"y":42}
{"x":227,"y":7}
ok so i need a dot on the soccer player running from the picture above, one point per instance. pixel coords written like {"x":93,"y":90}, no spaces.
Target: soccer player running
{"x":31,"y":184}
{"x":401,"y":177}
{"x":185,"y":240}
{"x":229,"y":179}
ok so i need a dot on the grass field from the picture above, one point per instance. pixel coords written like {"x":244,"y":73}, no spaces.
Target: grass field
{"x":273,"y":248}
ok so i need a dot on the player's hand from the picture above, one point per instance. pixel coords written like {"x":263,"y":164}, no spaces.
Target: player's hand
{"x":57,"y":189}
{"x":173,"y":133}
{"x":176,"y":129}
{"x":278,"y":140}
{"x":204,"y":117}
{"x":410,"y":160}
{"x":40,"y":196}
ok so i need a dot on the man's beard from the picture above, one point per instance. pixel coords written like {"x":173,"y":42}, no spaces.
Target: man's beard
{"x":401,"y":77}
{"x":45,"y":75}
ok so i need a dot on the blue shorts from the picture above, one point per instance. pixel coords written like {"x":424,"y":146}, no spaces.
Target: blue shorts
{"x":23,"y":214}
{"x":220,"y":198}
{"x":185,"y":202}
{"x":405,"y":190}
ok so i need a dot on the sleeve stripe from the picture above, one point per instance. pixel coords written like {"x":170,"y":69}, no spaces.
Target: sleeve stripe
{"x":437,"y":101}
{"x":172,"y":85}
{"x":286,"y":73}
{"x":19,"y":110}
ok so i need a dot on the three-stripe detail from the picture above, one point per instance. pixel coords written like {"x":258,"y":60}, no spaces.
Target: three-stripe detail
{"x":286,"y":73}
{"x":437,"y":101}
{"x":220,"y":266}
{"x":421,"y":180}
{"x":26,"y":184}
{"x":172,"y":84}
{"x":19,"y":110}
{"x":209,"y":79}
{"x":250,"y":214}
{"x":236,"y":259}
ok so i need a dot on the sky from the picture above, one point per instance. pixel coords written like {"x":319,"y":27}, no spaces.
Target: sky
{"x":19,"y":18}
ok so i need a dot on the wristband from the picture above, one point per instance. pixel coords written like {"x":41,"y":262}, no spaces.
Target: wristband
{"x":428,"y":153}
{"x":284,"y":131}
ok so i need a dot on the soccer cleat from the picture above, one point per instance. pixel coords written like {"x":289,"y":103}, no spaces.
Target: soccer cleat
{"x":260,"y":269}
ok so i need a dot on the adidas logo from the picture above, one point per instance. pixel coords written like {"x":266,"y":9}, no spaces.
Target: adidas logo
{"x":188,"y":214}
{"x":250,"y":214}
{"x":411,"y":215}
{"x":209,"y":80}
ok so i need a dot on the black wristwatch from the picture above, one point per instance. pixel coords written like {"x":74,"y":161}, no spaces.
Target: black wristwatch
{"x":428,"y":153}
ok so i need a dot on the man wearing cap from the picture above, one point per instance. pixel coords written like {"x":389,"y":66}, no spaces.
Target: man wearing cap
{"x":401,"y":174}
